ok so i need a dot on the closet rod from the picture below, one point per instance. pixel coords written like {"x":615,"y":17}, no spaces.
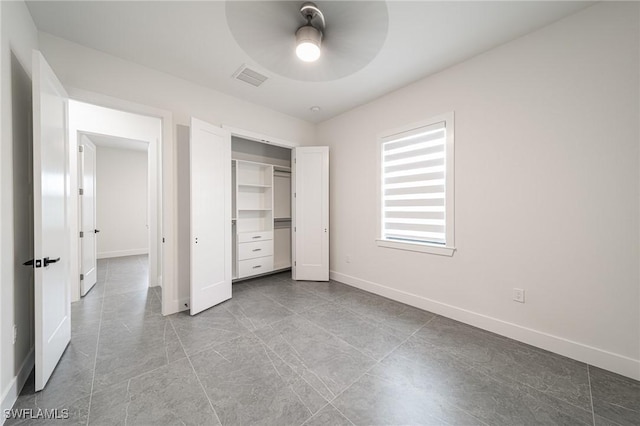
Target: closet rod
{"x":282,"y":219}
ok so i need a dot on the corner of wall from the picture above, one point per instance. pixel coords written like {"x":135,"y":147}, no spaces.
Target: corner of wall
{"x":13,"y":389}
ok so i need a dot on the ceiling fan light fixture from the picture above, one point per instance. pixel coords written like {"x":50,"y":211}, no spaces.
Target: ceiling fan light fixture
{"x":308,"y":41}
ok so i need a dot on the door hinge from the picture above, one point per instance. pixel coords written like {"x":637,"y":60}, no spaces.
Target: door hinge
{"x":80,"y":191}
{"x":295,"y":195}
{"x":81,"y":277}
{"x":81,"y":234}
{"x":295,"y":263}
{"x":80,"y":148}
{"x":295,"y":229}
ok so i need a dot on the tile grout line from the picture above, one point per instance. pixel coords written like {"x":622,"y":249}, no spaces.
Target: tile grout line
{"x":374,"y":365}
{"x":239,"y":319}
{"x":195,"y":372}
{"x":385,"y":357}
{"x":264,"y":348}
{"x":376,"y":362}
{"x":286,"y":363}
{"x":295,"y":372}
{"x":315,"y":414}
{"x":448,"y":403}
{"x":503,"y":380}
{"x":95,"y":359}
{"x":593,"y":411}
{"x":126,"y":410}
{"x":304,"y":290}
{"x":325,"y":330}
{"x":343,"y":414}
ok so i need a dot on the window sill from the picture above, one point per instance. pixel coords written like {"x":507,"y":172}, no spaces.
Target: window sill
{"x":424,"y":248}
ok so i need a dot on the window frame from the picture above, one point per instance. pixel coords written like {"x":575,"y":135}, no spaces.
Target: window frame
{"x":439,"y":249}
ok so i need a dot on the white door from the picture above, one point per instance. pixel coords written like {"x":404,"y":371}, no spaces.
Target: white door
{"x":88,"y":231}
{"x":210,"y":166}
{"x":52,"y":303}
{"x":310,"y":179}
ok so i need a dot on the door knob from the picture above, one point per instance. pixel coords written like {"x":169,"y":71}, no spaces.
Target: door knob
{"x":46,"y":261}
{"x":96,"y":231}
{"x":36,"y":263}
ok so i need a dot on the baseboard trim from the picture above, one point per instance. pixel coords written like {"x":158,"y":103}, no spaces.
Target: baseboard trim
{"x":175,"y":306}
{"x":121,"y":253}
{"x":183,"y":304}
{"x":588,"y":354}
{"x":10,"y":395}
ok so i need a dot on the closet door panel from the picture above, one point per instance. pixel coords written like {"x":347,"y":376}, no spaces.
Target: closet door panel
{"x":311,"y":213}
{"x":211,"y":255}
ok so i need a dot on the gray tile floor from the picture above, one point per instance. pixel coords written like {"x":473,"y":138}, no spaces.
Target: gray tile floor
{"x":292,"y":353}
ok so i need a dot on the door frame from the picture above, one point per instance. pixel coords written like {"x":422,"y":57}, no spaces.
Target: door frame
{"x":257,"y":137}
{"x":164,"y":166}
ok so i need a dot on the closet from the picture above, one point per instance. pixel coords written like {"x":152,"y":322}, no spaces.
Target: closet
{"x":261,"y":208}
{"x":256,"y":205}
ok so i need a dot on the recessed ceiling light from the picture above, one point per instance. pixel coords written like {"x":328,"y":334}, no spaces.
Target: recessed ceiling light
{"x":315,"y":109}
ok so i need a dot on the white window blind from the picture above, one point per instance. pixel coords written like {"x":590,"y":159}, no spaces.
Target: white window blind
{"x":414,"y":185}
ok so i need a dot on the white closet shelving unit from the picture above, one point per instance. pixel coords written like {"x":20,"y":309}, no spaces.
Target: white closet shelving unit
{"x":253,"y":218}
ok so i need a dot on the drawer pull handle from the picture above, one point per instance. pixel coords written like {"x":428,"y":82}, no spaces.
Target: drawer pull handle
{"x":257,"y":236}
{"x":256,"y":250}
{"x":257,"y":266}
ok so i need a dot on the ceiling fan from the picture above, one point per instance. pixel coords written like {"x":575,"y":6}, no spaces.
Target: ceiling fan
{"x":320,"y":41}
{"x":309,"y":36}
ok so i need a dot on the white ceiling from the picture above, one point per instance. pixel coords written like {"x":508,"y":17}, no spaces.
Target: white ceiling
{"x":115,"y":142}
{"x":191,"y":40}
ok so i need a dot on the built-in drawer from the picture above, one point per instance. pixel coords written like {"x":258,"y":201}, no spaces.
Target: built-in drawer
{"x":253,"y":250}
{"x":249,"y":237}
{"x":259,"y":265}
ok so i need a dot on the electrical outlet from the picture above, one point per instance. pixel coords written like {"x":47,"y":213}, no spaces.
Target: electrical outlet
{"x":518,"y":295}
{"x":15,"y":333}
{"x":347,"y":259}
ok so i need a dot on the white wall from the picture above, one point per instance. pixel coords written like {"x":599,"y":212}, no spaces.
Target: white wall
{"x":84,"y":68}
{"x":547,"y":190}
{"x":122,"y":202}
{"x":18,"y":38}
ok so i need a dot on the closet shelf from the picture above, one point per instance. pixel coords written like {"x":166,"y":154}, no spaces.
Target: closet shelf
{"x":253,"y":185}
{"x":282,"y":219}
{"x":260,"y":209}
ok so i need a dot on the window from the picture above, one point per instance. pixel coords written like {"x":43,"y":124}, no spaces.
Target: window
{"x":416,"y":187}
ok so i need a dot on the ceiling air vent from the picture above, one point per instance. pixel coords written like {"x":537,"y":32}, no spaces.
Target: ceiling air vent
{"x":250,"y":76}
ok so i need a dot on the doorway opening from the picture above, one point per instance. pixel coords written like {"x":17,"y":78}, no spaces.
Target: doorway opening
{"x":118,"y":207}
{"x":114,"y":203}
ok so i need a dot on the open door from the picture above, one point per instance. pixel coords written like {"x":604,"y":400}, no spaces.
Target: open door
{"x":88,"y":231}
{"x":52,"y":302}
{"x":210,"y":170}
{"x":310,"y":181}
